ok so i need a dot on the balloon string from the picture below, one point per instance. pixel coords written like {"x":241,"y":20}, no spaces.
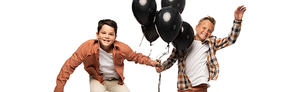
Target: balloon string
{"x":150,"y":53}
{"x":163,"y":53}
{"x":140,"y":43}
{"x":159,"y":80}
{"x":168,"y":48}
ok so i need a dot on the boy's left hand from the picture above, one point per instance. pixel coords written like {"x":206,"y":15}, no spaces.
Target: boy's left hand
{"x":239,"y":12}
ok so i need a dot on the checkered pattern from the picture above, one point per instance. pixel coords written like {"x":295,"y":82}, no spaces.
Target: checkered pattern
{"x":213,"y":66}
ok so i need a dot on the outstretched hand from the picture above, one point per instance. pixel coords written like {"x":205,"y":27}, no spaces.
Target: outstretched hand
{"x":239,"y":12}
{"x":155,"y":63}
{"x":159,"y":69}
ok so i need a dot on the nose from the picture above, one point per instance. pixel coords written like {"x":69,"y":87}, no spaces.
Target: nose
{"x":106,"y":35}
{"x":206,"y":31}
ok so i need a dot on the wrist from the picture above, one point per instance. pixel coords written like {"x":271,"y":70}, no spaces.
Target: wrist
{"x":153,"y":63}
{"x":237,"y":21}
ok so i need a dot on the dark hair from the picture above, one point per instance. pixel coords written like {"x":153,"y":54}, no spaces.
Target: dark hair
{"x":108,"y":22}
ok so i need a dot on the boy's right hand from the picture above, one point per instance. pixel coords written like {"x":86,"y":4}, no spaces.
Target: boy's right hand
{"x":159,"y":69}
{"x":239,"y":12}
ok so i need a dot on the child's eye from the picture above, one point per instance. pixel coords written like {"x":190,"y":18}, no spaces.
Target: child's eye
{"x":210,"y":31}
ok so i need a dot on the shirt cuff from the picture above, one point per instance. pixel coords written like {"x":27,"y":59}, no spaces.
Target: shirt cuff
{"x":164,"y":66}
{"x":237,"y":21}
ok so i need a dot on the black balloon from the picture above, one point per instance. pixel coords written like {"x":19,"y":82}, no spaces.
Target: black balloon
{"x":169,"y":22}
{"x":177,"y":4}
{"x":150,"y":32}
{"x":184,"y":39}
{"x":144,"y":11}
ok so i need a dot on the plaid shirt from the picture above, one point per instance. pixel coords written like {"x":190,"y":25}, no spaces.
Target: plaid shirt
{"x":213,"y":66}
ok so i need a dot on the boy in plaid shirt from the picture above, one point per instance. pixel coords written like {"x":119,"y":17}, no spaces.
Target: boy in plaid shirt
{"x":199,"y":64}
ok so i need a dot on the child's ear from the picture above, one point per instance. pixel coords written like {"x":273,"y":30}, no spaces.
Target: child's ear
{"x":196,"y":27}
{"x":97,"y":34}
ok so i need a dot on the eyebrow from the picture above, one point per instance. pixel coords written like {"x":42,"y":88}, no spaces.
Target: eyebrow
{"x":107,"y":32}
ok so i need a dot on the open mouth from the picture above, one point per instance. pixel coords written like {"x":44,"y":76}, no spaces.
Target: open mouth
{"x":204,"y":34}
{"x":106,"y":41}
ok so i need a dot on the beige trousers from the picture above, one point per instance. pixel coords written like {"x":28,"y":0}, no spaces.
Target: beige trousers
{"x":109,"y":86}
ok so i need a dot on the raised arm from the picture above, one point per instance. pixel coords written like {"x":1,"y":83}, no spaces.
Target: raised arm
{"x":239,"y":12}
{"x":233,"y":35}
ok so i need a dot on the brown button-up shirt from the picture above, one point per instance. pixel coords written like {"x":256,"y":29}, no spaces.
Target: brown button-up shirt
{"x":88,"y":53}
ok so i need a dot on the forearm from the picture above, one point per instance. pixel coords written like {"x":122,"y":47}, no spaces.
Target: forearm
{"x":65,"y":72}
{"x":231,"y":38}
{"x":139,"y":58}
{"x":68,"y":68}
{"x":235,"y":31}
{"x":168,"y":63}
{"x":171,"y":60}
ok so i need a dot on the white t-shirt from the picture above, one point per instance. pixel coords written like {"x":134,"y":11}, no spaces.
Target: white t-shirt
{"x":196,"y":63}
{"x":107,"y":65}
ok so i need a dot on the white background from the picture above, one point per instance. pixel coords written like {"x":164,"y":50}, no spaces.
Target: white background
{"x":38,"y":36}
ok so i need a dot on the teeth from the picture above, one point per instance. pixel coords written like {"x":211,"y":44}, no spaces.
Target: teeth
{"x":106,"y":40}
{"x":204,"y":34}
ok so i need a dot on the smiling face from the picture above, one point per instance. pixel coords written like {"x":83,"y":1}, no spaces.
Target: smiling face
{"x":204,"y":30}
{"x":106,"y":37}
